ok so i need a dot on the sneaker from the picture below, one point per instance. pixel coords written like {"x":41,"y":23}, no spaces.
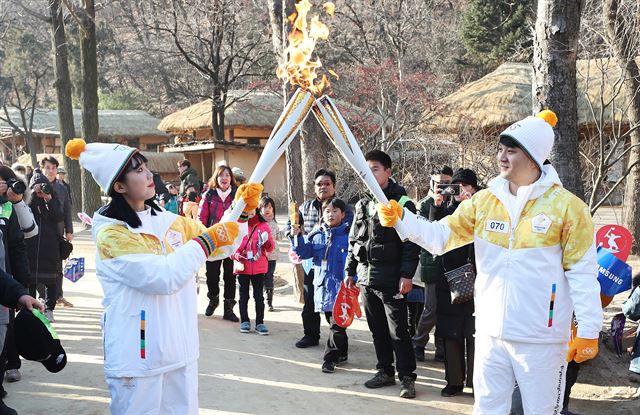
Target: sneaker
{"x":63,"y":302}
{"x":262,"y":329}
{"x":438,"y":358}
{"x":328,"y":366}
{"x":419,"y":352}
{"x":408,"y":388}
{"x":271,"y":308}
{"x":343,"y":359}
{"x":451,"y":390}
{"x":5,"y":410}
{"x":379,"y":380}
{"x":245,"y":327}
{"x":305,"y":342}
{"x":12,"y":375}
{"x":49,"y":315}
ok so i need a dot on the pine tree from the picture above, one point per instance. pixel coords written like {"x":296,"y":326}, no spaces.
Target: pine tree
{"x":494,"y":30}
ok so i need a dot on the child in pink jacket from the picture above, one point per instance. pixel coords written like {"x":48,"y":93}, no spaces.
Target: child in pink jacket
{"x":250,"y":265}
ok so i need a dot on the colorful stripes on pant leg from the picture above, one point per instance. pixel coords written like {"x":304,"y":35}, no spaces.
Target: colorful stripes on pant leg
{"x":551,"y":303}
{"x":142,"y":329}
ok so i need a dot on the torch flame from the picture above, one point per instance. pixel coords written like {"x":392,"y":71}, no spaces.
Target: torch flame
{"x":300,"y":67}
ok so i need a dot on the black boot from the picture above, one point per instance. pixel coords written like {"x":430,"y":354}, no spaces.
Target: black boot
{"x":213,"y":304}
{"x":228,"y":311}
{"x":270,"y":298}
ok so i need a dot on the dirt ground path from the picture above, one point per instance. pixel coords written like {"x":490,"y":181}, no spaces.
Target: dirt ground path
{"x":252,"y":374}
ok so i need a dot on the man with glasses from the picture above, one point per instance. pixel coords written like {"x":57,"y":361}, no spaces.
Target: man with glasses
{"x":310,"y":216}
{"x":430,"y":271}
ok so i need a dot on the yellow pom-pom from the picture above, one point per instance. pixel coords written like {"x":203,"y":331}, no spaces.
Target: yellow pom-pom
{"x":549,"y":116}
{"x":74,"y":148}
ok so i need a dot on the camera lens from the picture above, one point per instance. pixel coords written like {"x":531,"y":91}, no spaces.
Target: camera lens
{"x":17,"y":186}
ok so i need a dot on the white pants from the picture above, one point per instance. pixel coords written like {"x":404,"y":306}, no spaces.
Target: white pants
{"x":538,"y":368}
{"x":170,"y":393}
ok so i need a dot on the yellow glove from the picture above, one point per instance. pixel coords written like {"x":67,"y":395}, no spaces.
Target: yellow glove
{"x":581,"y":349}
{"x":389,"y":213}
{"x":220,"y":234}
{"x":250,"y":193}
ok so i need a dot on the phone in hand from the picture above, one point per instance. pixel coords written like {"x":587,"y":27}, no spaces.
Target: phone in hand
{"x":449,"y":189}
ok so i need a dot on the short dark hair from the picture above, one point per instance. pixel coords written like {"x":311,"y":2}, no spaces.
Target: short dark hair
{"x":336,"y":203}
{"x":379,"y":156}
{"x":325,"y":172}
{"x":49,"y":159}
{"x":185,"y":163}
{"x":192,"y":196}
{"x":442,"y":169}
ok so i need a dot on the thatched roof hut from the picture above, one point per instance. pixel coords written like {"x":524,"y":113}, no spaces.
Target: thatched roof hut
{"x":504,"y":96}
{"x":113,"y":123}
{"x":252,"y":109}
{"x":163,"y":163}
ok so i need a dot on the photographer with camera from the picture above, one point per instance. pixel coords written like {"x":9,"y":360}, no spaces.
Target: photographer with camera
{"x":455,"y":322}
{"x":44,"y":251}
{"x":49,"y":166}
{"x":16,"y":224}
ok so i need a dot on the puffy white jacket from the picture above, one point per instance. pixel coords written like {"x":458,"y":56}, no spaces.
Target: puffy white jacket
{"x":535,"y":257}
{"x":150,"y":319}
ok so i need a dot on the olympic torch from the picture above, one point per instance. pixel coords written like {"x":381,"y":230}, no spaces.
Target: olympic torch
{"x":283,"y":133}
{"x":342,"y":138}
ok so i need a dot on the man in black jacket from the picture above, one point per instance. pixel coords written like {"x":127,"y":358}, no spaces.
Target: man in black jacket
{"x":390,"y":265}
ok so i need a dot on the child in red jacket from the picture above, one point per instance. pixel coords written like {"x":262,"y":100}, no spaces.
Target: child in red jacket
{"x":250,"y":265}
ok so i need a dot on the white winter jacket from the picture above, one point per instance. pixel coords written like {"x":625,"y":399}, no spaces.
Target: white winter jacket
{"x":535,"y":257}
{"x":150,"y":319}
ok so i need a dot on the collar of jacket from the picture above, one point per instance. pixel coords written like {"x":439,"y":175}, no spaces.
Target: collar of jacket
{"x":165,"y":219}
{"x":188,"y":171}
{"x":394,"y":190}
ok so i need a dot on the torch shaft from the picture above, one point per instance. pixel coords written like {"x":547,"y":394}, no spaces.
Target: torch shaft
{"x":285,"y":130}
{"x":341,"y":136}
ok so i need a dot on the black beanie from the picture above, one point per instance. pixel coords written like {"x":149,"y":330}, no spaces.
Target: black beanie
{"x":466,"y":176}
{"x":38,"y":178}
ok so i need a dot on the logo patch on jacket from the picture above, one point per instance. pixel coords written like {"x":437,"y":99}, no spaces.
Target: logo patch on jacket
{"x":174,"y":238}
{"x":540,"y":223}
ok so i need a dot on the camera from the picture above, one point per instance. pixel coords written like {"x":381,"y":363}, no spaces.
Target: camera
{"x":17,"y":186}
{"x":449,"y":189}
{"x":46,"y":188}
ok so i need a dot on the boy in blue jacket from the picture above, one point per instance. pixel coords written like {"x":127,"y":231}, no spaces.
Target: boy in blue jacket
{"x":328,"y":247}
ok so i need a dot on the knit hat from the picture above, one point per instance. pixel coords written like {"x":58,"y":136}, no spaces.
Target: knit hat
{"x":105,"y":161}
{"x":466,"y":176}
{"x":36,"y":340}
{"x":534,"y":135}
{"x":61,"y":170}
{"x":38,"y":178}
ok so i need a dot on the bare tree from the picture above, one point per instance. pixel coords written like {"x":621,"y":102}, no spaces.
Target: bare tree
{"x":222,"y":43}
{"x":623,"y":27}
{"x":22,"y":98}
{"x":88,"y":43}
{"x":62,"y":85}
{"x":554,"y":84}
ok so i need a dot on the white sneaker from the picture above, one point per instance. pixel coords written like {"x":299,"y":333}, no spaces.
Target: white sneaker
{"x":49,"y":315}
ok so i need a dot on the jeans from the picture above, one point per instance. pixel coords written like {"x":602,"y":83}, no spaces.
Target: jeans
{"x":257,"y":282}
{"x":213,"y":279}
{"x":338,"y":342}
{"x":268,"y":277}
{"x":386,"y":312}
{"x":310,"y":318}
{"x":428,"y":318}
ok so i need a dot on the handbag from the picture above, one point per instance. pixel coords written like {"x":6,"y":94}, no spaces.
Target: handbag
{"x":65,"y":247}
{"x":461,"y":281}
{"x":74,"y":269}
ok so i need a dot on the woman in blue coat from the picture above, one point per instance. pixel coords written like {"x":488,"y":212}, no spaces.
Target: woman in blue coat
{"x":328,"y":246}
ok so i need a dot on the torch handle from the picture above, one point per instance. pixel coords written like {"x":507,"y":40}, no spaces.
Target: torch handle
{"x":286,"y":129}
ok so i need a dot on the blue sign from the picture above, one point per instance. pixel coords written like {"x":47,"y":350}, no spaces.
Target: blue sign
{"x":614,"y":275}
